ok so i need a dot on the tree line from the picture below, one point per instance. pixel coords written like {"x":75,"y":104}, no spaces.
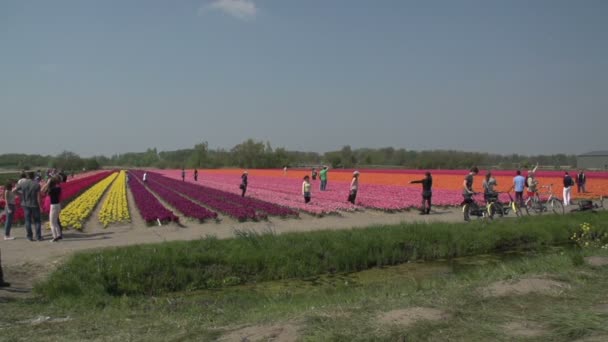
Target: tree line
{"x":260,"y":154}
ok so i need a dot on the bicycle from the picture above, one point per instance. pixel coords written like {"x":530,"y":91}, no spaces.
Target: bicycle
{"x":495,"y":207}
{"x":538,"y":205}
{"x":590,"y":205}
{"x":470,"y":207}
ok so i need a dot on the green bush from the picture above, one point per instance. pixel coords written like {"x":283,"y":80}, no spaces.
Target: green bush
{"x":250,"y":257}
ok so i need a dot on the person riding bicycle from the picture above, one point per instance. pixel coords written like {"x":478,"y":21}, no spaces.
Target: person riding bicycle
{"x":489,"y":194}
{"x":467,"y":185}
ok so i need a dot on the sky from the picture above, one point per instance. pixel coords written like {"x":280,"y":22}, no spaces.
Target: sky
{"x":114,"y":76}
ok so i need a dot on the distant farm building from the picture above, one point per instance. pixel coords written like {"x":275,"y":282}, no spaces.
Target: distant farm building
{"x":593,"y":160}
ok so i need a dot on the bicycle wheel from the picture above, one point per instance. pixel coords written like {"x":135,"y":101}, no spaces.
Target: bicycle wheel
{"x":534,"y":206}
{"x":495,"y":208}
{"x":516,"y":209}
{"x":556,"y":206}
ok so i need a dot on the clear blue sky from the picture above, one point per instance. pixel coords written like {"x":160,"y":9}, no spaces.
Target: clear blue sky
{"x":104,"y":77}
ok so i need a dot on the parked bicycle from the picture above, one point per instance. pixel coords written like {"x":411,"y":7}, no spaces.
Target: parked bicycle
{"x":495,"y":207}
{"x":590,"y":205}
{"x":474,"y":208}
{"x":545,"y":202}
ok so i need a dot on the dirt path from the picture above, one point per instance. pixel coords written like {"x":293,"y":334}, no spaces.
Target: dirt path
{"x":21,"y":251}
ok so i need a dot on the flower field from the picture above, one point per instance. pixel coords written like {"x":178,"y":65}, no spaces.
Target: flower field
{"x":149,"y":207}
{"x":115,"y":208}
{"x":387,"y":190}
{"x":74,"y":215}
{"x":184,"y":205}
{"x":271,"y":193}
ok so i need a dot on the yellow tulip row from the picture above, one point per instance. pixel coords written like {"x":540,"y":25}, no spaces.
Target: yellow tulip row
{"x":115,"y":208}
{"x":79,"y":209}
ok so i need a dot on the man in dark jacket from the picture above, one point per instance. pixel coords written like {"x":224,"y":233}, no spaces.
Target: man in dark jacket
{"x":427,"y":193}
{"x":581,"y":180}
{"x":568,"y":184}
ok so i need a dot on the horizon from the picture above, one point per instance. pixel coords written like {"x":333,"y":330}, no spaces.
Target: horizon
{"x":491,"y":77}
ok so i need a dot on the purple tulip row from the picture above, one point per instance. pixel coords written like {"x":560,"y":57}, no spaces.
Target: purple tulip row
{"x":149,"y":207}
{"x":186,"y":206}
{"x":240,"y":208}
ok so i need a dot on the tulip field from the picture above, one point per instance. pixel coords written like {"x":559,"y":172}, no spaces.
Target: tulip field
{"x":165,"y":197}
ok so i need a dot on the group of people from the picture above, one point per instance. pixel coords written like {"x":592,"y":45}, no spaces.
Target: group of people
{"x":322,"y":174}
{"x":520,"y":183}
{"x":31,"y":193}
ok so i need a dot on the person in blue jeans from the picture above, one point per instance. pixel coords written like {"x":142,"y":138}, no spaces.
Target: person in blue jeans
{"x":519,"y":184}
{"x":31,"y":203}
{"x":9,"y":199}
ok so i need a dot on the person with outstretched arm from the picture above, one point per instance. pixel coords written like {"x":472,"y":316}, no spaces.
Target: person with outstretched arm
{"x":427,"y":193}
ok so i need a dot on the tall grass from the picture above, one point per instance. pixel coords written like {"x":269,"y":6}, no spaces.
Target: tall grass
{"x":250,"y":257}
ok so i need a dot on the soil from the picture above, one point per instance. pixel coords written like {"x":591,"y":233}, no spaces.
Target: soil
{"x":524,"y":329}
{"x":285,"y":332}
{"x":409,"y":316}
{"x":525,"y":286}
{"x":596,"y":261}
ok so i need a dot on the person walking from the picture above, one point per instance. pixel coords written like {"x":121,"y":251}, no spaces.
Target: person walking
{"x":306,"y":189}
{"x":53,"y":189}
{"x":183,"y":175}
{"x":195,"y":175}
{"x":467,"y":185}
{"x":519,"y":184}
{"x":31,"y":203}
{"x":9,"y":209}
{"x":568,"y":184}
{"x":244,"y":183}
{"x":581,"y":180}
{"x":323,"y":178}
{"x":489,"y":194}
{"x":354,"y":187}
{"x":427,"y":193}
{"x":145,"y":177}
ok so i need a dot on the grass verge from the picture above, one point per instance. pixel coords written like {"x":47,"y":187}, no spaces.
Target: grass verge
{"x":213,"y":263}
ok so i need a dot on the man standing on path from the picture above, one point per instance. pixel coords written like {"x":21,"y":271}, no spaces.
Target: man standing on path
{"x":31,"y":203}
{"x":581,"y":180}
{"x":427,"y":193}
{"x":519,"y":184}
{"x":467,"y":185}
{"x":568,"y":184}
{"x":323,"y":177}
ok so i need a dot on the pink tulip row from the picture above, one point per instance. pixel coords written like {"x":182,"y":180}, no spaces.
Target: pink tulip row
{"x":287,"y":192}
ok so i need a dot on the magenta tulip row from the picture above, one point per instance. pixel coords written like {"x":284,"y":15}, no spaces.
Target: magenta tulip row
{"x":231,"y":204}
{"x":184,"y":205}
{"x":148,"y":205}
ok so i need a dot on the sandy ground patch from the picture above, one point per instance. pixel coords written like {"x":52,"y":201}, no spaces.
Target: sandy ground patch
{"x":409,"y":316}
{"x":525,"y":286}
{"x":286,"y":332}
{"x":524,"y":329}
{"x":596,"y":261}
